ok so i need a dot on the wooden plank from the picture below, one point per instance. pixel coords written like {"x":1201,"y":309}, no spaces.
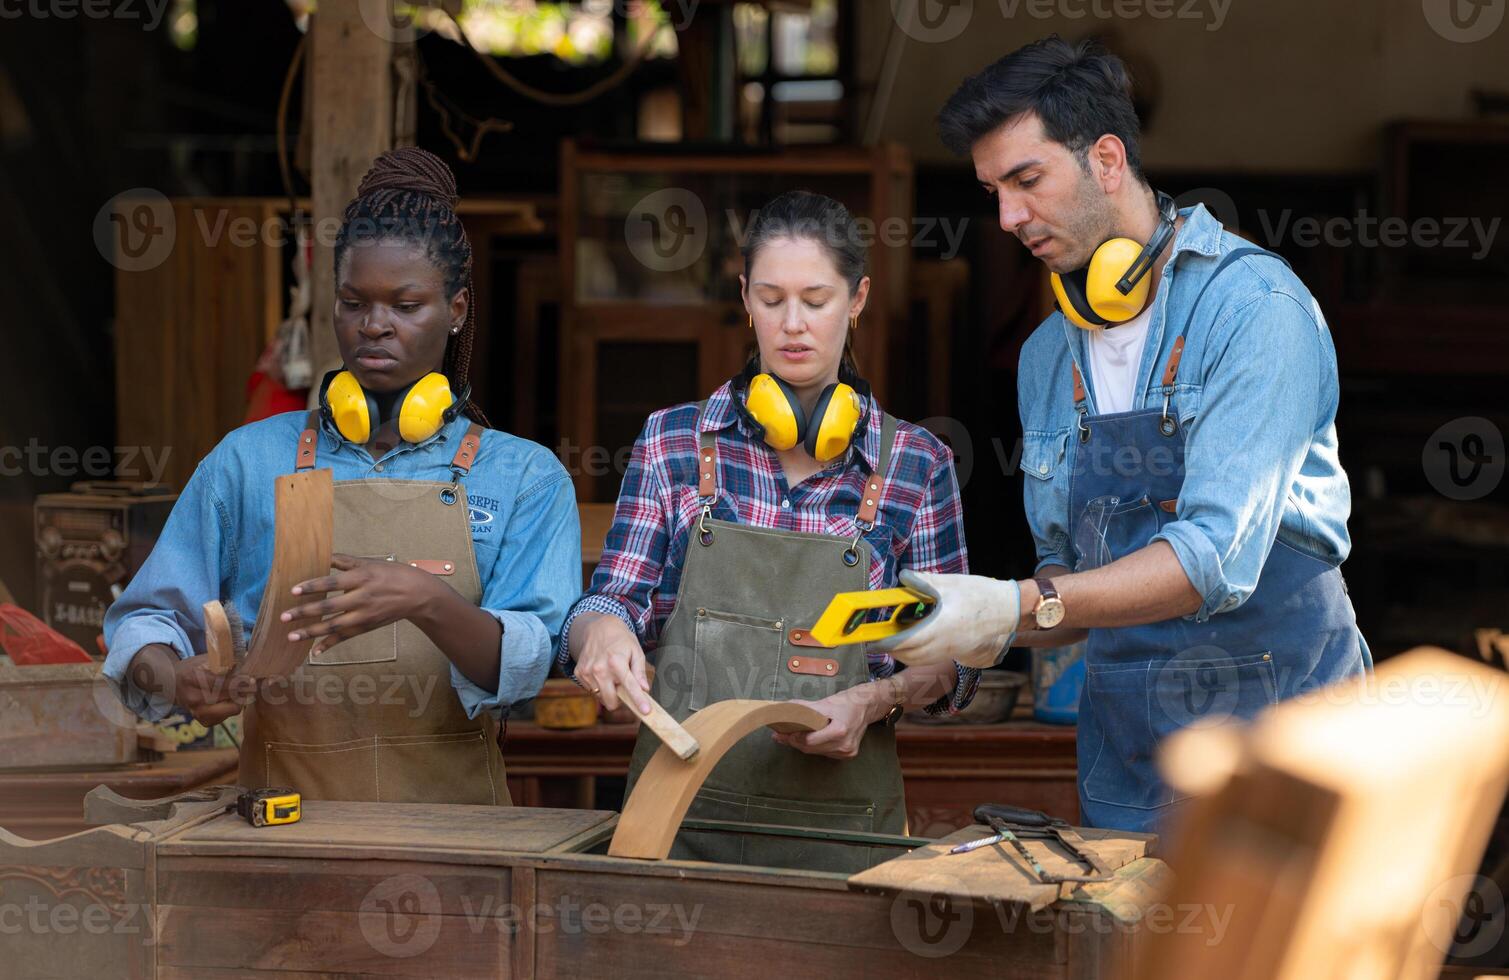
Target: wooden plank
{"x":305,"y":508}
{"x":654,"y":811}
{"x":997,"y":873}
{"x":628,"y":926}
{"x":418,"y":830}
{"x":1340,"y":832}
{"x":670,"y":731}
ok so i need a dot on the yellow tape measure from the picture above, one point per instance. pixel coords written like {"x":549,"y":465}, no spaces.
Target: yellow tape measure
{"x":269,"y":807}
{"x":846,"y":620}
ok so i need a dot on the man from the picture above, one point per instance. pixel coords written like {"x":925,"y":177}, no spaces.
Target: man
{"x":1182,"y":480}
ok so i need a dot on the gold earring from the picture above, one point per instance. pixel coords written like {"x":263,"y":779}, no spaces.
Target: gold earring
{"x":854,"y":322}
{"x":751,"y":321}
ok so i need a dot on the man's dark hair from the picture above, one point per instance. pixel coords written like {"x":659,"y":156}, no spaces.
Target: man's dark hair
{"x":1080,"y":92}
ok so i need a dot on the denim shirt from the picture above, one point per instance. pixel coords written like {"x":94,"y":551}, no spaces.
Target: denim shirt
{"x":218,"y":544}
{"x":1256,"y":396}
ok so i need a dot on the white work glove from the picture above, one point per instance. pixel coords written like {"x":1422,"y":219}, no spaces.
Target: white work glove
{"x":973,"y":621}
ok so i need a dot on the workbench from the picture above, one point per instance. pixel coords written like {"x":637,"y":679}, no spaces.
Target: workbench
{"x":368,"y":889}
{"x":948,"y":769}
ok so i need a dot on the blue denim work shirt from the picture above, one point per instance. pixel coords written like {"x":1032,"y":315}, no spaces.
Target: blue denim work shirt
{"x":218,"y":544}
{"x":1256,"y":395}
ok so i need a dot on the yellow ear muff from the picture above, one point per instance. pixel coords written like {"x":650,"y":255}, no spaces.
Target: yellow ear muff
{"x":422,"y":412}
{"x":771,"y":403}
{"x":836,"y":415}
{"x":1107,"y":266}
{"x":351,"y":408}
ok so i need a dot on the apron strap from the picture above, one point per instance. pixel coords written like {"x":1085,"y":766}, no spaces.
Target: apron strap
{"x":1079,"y":385}
{"x":707,"y":460}
{"x":869,"y":503}
{"x":1172,"y":370}
{"x":309,"y":441}
{"x":466,"y":453}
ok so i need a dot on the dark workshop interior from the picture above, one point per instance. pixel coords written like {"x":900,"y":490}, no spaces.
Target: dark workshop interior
{"x":171,"y":175}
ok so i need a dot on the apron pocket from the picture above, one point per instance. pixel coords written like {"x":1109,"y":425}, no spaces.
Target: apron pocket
{"x":338,"y":771}
{"x":377,"y":646}
{"x":450,"y":768}
{"x":734,"y":657}
{"x":1139,"y":705}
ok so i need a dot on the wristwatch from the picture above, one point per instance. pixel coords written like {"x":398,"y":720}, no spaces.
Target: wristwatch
{"x":1049,"y":611}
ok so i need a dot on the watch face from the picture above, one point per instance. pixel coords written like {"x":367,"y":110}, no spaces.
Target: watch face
{"x":1050,"y":613}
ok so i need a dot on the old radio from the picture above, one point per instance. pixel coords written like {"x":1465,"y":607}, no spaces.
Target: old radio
{"x":90,"y":541}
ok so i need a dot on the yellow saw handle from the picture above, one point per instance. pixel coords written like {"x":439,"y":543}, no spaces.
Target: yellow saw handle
{"x":844,"y":621}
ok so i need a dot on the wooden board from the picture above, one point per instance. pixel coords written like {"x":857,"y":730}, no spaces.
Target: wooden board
{"x":305,"y":505}
{"x":334,"y":829}
{"x":1341,"y":831}
{"x":654,"y":811}
{"x":998,"y":873}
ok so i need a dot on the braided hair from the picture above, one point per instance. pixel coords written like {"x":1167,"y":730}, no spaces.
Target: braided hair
{"x":410,"y":195}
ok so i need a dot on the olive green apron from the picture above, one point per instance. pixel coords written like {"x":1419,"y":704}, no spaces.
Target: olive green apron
{"x":746,"y":598}
{"x":375,"y":718}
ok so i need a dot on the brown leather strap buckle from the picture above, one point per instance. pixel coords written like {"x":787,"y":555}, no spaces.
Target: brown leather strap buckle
{"x":1079,"y":384}
{"x":707,"y":472}
{"x":869,"y":503}
{"x":466,"y":453}
{"x":308,"y":443}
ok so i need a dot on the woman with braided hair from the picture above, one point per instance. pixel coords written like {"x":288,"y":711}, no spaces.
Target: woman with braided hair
{"x":457,"y":546}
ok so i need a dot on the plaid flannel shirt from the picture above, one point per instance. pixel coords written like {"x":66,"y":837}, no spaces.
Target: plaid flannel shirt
{"x":919,"y":524}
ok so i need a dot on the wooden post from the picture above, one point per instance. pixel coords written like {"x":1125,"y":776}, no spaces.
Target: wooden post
{"x":351,"y":122}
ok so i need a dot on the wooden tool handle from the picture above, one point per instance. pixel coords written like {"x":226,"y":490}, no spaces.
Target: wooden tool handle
{"x":218,"y":642}
{"x":678,"y":739}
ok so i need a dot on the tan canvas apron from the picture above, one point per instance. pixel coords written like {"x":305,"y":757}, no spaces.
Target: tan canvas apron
{"x":375,"y":717}
{"x":744,"y":590}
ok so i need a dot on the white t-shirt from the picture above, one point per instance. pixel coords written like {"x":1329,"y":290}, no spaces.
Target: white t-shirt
{"x":1115,"y":356}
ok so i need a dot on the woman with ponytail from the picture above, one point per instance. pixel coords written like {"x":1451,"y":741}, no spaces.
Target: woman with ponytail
{"x":739,"y":519}
{"x":457,"y":546}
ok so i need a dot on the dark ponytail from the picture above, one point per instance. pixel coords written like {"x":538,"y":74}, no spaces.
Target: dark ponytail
{"x":410,"y":195}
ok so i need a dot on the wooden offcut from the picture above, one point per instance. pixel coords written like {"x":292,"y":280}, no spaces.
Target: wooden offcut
{"x":654,"y":811}
{"x":1340,"y":833}
{"x":670,"y":731}
{"x":305,"y":505}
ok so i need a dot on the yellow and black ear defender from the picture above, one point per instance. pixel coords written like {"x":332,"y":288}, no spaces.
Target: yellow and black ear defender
{"x":423,"y":408}
{"x":774,"y":407}
{"x":1114,"y":287}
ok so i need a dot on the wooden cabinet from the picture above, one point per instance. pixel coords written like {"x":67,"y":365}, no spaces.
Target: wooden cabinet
{"x":650,"y":263}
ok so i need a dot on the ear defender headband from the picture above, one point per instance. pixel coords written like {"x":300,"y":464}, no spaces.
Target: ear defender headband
{"x":1113,"y":288}
{"x":772,"y":406}
{"x":423,"y":408}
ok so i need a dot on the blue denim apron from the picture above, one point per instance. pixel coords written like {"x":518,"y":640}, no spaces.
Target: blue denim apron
{"x":1296,"y":632}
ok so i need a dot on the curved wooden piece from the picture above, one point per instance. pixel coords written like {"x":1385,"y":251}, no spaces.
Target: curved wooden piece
{"x":305,"y":508}
{"x":654,"y":811}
